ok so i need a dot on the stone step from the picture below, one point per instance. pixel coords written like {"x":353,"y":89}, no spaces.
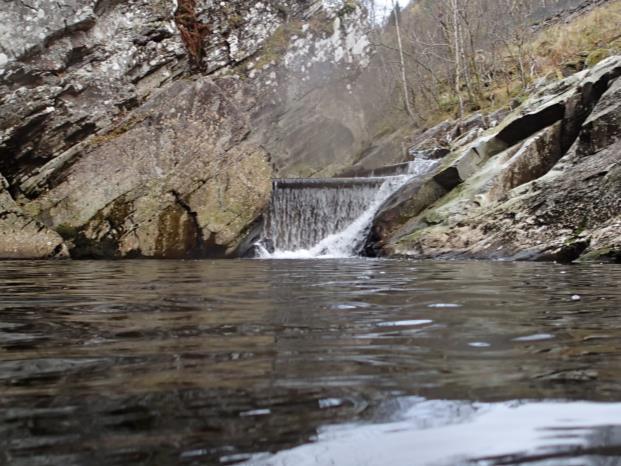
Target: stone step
{"x":387,"y":170}
{"x":327,"y":183}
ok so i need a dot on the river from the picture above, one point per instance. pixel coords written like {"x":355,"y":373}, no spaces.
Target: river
{"x":316,"y":362}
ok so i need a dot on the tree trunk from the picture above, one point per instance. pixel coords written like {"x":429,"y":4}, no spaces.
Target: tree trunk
{"x":457,"y":48}
{"x":406,"y":92}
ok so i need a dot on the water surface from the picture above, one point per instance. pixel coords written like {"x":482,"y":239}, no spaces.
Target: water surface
{"x":309,"y":362}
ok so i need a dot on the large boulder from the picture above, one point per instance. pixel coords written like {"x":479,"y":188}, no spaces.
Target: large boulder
{"x":176,"y":178}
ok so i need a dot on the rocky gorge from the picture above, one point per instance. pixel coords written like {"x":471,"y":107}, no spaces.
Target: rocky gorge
{"x":306,"y":232}
{"x":154,"y":129}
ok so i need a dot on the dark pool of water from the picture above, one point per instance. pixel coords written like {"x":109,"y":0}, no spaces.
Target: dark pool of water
{"x":309,"y":362}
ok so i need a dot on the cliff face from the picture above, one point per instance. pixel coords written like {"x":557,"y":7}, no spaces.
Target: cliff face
{"x":73,"y":70}
{"x":153,"y":129}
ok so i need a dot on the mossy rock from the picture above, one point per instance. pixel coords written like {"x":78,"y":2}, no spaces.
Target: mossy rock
{"x":609,"y":255}
{"x":67,"y":232}
{"x":572,"y":66}
{"x":596,"y":56}
{"x":349,"y":7}
{"x":434,"y":218}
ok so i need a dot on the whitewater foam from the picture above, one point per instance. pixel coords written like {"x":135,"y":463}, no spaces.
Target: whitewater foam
{"x":328,"y":219}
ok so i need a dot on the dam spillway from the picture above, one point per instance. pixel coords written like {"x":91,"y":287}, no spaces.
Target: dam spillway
{"x":330,"y":217}
{"x":305,"y":211}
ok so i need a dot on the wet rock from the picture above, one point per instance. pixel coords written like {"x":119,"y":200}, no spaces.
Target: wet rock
{"x":398,"y":211}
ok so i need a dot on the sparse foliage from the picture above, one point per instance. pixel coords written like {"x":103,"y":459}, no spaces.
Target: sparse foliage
{"x":458,"y":56}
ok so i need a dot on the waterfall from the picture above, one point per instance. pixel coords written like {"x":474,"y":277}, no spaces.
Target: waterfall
{"x":327,"y":218}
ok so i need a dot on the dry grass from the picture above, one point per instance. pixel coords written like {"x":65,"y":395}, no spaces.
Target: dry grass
{"x":553,"y":52}
{"x":593,"y":32}
{"x":193,"y":32}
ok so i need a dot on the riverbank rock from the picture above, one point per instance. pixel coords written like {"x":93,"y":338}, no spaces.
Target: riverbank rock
{"x":22,"y":237}
{"x":542,"y":185}
{"x":175,"y":179}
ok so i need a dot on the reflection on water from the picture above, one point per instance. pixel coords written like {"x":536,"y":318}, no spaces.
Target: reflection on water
{"x":164,"y":362}
{"x":459,"y":432}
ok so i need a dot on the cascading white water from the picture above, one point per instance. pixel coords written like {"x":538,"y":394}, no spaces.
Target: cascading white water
{"x":303,"y":212}
{"x":327,"y":218}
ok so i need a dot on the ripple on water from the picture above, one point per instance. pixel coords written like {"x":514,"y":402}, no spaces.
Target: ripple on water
{"x":205,"y":361}
{"x":405,"y":323}
{"x":536,"y":337}
{"x":479,"y":344}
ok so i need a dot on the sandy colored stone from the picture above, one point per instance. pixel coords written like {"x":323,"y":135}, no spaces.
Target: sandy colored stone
{"x":178,"y":179}
{"x":21,"y":237}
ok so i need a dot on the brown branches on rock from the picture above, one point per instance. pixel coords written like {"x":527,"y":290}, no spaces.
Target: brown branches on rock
{"x":192,"y":30}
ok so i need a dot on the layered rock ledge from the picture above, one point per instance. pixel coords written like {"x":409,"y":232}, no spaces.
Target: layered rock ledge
{"x":543,"y":184}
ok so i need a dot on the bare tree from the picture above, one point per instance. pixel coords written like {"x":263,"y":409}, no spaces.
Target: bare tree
{"x":406,"y":92}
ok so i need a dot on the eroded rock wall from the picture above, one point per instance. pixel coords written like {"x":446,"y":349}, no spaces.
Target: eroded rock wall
{"x":153,"y":129}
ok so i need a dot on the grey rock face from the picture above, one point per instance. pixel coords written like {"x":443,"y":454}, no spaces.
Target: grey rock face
{"x":77,"y":67}
{"x":72,"y":70}
{"x":21,"y":237}
{"x":140,"y":127}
